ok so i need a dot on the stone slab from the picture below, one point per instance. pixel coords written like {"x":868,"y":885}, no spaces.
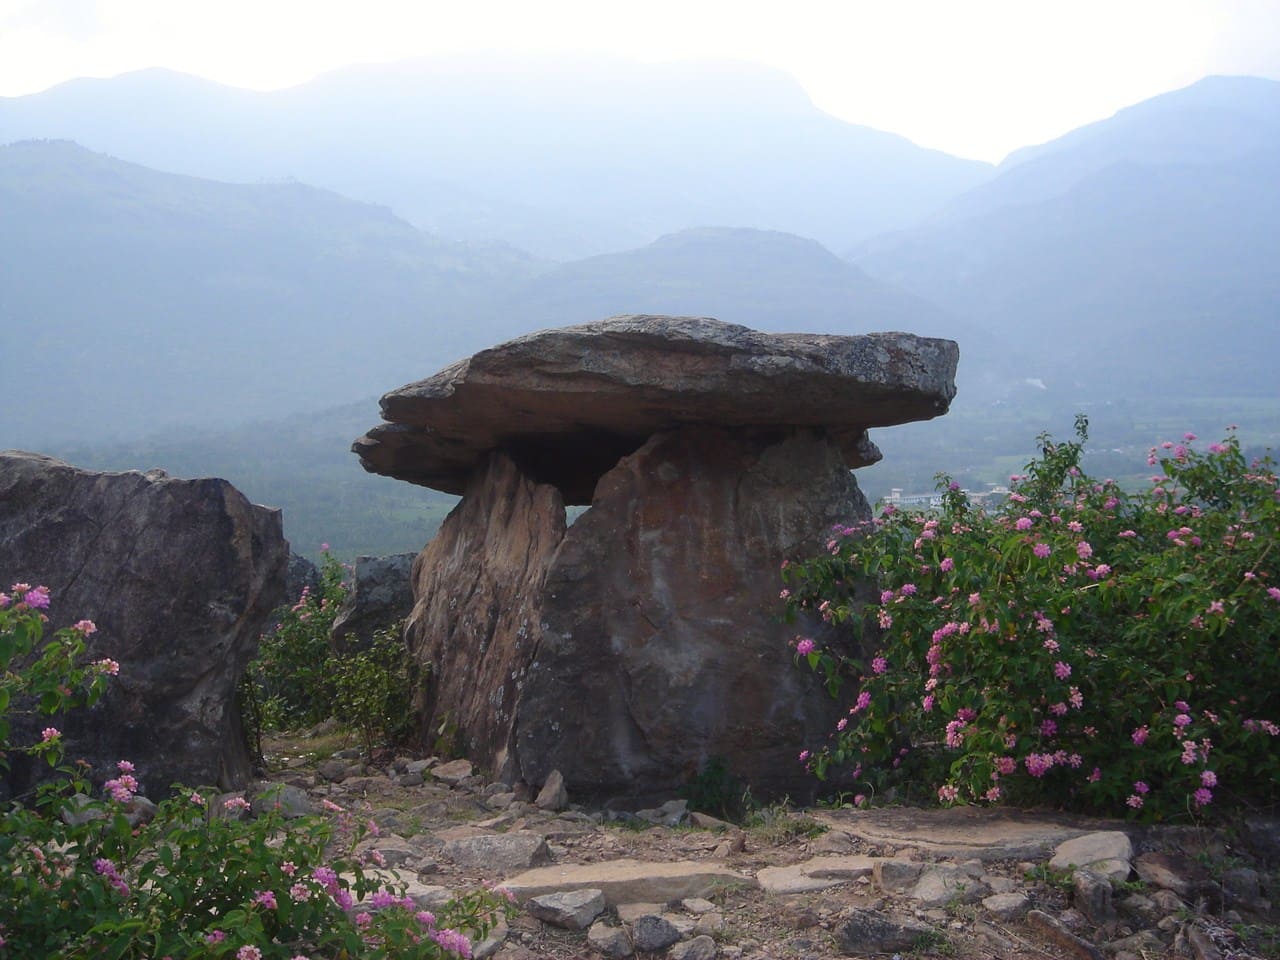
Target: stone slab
{"x":628,"y":881}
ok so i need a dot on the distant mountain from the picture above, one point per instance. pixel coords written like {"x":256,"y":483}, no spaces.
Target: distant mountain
{"x":763,"y":279}
{"x":1135,"y":258}
{"x":566,"y":157}
{"x":132,"y":299}
{"x":1215,"y":120}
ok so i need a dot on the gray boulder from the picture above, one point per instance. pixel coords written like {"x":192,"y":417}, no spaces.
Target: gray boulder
{"x":381,"y":595}
{"x":568,"y":403}
{"x":180,"y":577}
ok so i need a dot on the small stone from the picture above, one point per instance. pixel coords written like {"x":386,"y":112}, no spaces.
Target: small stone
{"x":869,"y":931}
{"x":1107,"y":852}
{"x":1168,"y":901}
{"x":453,"y":772}
{"x":570,"y":909}
{"x":710,"y":923}
{"x":631,"y":912}
{"x":335,"y":771}
{"x":699,"y":948}
{"x":499,"y":801}
{"x":553,"y":795}
{"x":652,"y":933}
{"x":697,"y":905}
{"x":704,"y":821}
{"x":1001,"y":884}
{"x":420,"y":766}
{"x":409,"y":780}
{"x":499,"y":852}
{"x":941,"y":885}
{"x":139,"y":810}
{"x":608,"y":940}
{"x":290,"y":802}
{"x":833,"y":841}
{"x":1141,"y":908}
{"x":1168,"y":871}
{"x":1144,"y":943}
{"x":1242,"y":885}
{"x":1092,"y":896}
{"x":1059,"y":933}
{"x":1007,"y":906}
{"x":896,"y":876}
{"x":670,"y":814}
{"x":492,"y":943}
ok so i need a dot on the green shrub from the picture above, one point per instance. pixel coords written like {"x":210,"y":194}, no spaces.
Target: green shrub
{"x":1082,"y":646}
{"x":196,"y":881}
{"x":371,"y":689}
{"x":290,"y":684}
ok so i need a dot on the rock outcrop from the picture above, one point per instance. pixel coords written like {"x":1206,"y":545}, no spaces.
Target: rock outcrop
{"x":381,"y":595}
{"x":179,"y":576}
{"x":567,"y":404}
{"x":636,"y":645}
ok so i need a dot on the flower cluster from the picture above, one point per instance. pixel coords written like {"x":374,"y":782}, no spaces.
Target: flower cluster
{"x":1081,"y":645}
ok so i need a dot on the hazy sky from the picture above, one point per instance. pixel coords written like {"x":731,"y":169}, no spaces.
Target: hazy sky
{"x":977,"y":78}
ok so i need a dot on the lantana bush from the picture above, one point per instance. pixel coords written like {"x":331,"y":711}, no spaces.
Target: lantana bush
{"x":209,"y":876}
{"x":1080,"y":645}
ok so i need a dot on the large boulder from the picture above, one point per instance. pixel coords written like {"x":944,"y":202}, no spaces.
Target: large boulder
{"x":566,"y":404}
{"x":381,"y":595}
{"x":180,"y":577}
{"x":632,"y":647}
{"x":660,"y":614}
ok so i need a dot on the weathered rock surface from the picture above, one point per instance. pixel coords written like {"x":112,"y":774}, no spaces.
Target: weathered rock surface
{"x":381,"y":595}
{"x":571,"y":909}
{"x":180,"y":577}
{"x":568,"y":403}
{"x":632,"y":648}
{"x":628,"y":881}
{"x":660,"y":642}
{"x":870,"y":931}
{"x":476,"y":620}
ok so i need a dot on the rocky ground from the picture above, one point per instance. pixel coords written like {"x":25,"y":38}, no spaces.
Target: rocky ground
{"x":819,"y":883}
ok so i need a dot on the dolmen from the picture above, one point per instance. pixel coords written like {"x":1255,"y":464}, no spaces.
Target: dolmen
{"x":633,"y":647}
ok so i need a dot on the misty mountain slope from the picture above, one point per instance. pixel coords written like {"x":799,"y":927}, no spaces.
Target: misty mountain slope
{"x":146,"y":298}
{"x":566,"y":157}
{"x":764,"y":279}
{"x":1214,"y":120}
{"x":1141,"y":277}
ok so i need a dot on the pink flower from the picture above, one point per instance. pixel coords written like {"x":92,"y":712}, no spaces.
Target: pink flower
{"x":248,"y":952}
{"x":363,"y":919}
{"x":1208,"y":778}
{"x":1127,"y":534}
{"x":907,"y":589}
{"x":864,"y":701}
{"x":879,"y":665}
{"x":49,"y":733}
{"x":947,"y":793}
{"x":947,"y":565}
{"x":927,"y":703}
{"x":86,"y":628}
{"x":266,"y":898}
{"x":1273,"y":593}
{"x":1141,"y":787}
{"x":886,"y":596}
{"x":1202,"y":796}
{"x":235,"y":804}
{"x":804,"y":646}
{"x":1023,"y":523}
{"x":196,"y":800}
{"x":1042,"y":550}
{"x":804,"y":755}
{"x":1135,"y":801}
{"x":300,"y":893}
{"x":214,"y":936}
{"x":37,"y":598}
{"x":1083,"y":550}
{"x":1061,"y":670}
{"x":110,"y":667}
{"x":1181,"y":720}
